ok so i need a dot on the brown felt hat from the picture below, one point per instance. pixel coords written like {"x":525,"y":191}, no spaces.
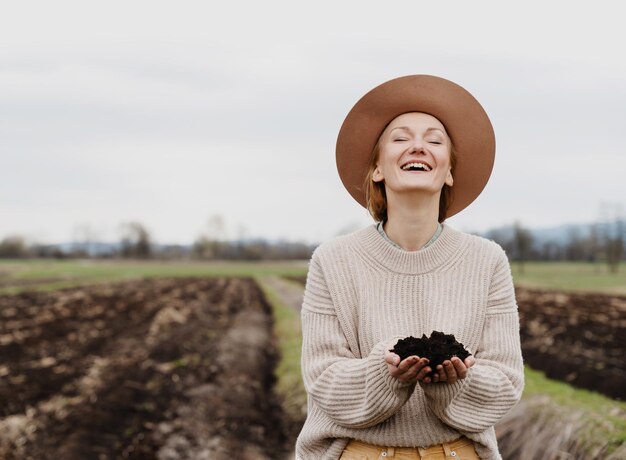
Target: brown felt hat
{"x":464,"y":118}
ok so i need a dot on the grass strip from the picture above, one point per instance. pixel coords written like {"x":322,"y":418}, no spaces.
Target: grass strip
{"x":288,"y":334}
{"x":602,"y":419}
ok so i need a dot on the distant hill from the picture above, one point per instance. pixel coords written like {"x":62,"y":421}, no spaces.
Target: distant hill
{"x":556,"y":234}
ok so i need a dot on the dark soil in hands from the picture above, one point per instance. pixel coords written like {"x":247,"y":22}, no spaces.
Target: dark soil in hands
{"x":437,"y":348}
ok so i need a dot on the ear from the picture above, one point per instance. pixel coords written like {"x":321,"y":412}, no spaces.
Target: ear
{"x":449,"y":179}
{"x":377,"y":175}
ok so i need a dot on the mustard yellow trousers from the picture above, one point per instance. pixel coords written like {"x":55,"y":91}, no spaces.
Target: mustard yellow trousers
{"x":461,"y":449}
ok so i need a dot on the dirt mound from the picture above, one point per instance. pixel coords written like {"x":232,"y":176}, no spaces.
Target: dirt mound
{"x":576,"y":337}
{"x":155,"y":369}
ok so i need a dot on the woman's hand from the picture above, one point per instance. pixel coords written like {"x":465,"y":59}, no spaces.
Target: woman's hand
{"x":453,"y":369}
{"x":409,"y":370}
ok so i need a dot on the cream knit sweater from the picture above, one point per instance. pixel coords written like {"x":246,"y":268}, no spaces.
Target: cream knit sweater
{"x":362,"y":294}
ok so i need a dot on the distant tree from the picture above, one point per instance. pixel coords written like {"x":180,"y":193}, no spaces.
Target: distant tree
{"x":575,"y":246}
{"x":13,"y":247}
{"x":47,"y":251}
{"x":522,"y":244}
{"x":205,"y":248}
{"x":211,"y":243}
{"x":615,"y":246}
{"x":593,"y":244}
{"x":135,"y":241}
{"x":551,"y":250}
{"x":613,"y":234}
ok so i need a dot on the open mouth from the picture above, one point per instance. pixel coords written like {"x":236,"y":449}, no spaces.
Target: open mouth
{"x":417,"y":166}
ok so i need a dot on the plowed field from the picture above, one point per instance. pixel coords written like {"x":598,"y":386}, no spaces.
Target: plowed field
{"x":154,"y":369}
{"x":577,"y":338}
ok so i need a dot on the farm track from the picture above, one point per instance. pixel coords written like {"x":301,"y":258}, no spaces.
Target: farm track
{"x":156,"y":369}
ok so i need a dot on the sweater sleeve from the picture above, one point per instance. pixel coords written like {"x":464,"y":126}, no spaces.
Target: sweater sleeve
{"x":495,"y":383}
{"x":353,"y":392}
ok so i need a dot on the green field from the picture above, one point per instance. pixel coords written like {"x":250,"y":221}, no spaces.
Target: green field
{"x":16,"y":275}
{"x":38,"y":274}
{"x":570,"y":276}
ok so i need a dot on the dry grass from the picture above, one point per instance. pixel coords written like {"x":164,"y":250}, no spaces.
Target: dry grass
{"x":539,"y":429}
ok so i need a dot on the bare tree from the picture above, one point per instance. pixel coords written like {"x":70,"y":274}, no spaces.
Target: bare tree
{"x":575,"y":246}
{"x":613,"y":234}
{"x":615,"y":246}
{"x":210,"y":243}
{"x":13,"y":247}
{"x":135,"y":241}
{"x":522,"y":244}
{"x":594,"y":243}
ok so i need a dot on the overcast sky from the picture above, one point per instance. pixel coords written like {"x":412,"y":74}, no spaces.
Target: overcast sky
{"x":169,"y":113}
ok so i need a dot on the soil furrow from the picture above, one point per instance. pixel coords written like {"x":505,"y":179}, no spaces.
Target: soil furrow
{"x":187,"y":370}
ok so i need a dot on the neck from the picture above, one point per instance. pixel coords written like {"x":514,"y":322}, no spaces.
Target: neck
{"x":412,"y":221}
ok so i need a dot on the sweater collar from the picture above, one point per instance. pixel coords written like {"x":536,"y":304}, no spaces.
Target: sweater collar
{"x":443,"y":250}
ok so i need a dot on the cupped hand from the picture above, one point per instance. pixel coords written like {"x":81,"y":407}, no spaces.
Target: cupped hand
{"x":409,"y":370}
{"x":452,"y":370}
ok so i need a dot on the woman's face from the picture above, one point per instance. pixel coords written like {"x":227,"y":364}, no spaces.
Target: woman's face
{"x":414,"y":155}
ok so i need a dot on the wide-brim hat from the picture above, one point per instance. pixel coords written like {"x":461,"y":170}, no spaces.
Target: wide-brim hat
{"x":464,"y":118}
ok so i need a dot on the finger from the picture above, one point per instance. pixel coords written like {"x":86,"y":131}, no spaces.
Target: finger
{"x":407,"y":363}
{"x":459,"y":367}
{"x":450,"y":371}
{"x":392,"y":358}
{"x":410,"y":374}
{"x":470,"y":361}
{"x":423,"y":373}
{"x":417,"y":367}
{"x":441,"y":374}
{"x":393,"y":370}
{"x":401,"y":372}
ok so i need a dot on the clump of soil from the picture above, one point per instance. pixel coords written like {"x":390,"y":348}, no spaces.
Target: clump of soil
{"x":437,"y":348}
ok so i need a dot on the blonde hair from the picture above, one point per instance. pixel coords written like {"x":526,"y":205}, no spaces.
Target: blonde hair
{"x":376,"y":197}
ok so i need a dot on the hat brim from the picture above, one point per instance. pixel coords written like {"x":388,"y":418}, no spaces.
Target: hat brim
{"x":464,"y":118}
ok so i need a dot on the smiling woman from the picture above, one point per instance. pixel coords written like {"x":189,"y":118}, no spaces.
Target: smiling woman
{"x":416,"y":138}
{"x":412,"y":140}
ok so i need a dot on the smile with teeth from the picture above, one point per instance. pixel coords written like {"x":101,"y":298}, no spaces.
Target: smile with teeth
{"x":416,"y":166}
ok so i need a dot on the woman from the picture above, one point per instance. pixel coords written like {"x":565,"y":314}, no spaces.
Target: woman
{"x":424,"y":148}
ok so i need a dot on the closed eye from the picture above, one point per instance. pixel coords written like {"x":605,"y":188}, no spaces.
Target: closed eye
{"x":400,"y":139}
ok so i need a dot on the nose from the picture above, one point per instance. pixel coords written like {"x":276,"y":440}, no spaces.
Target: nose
{"x":417,"y":147}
